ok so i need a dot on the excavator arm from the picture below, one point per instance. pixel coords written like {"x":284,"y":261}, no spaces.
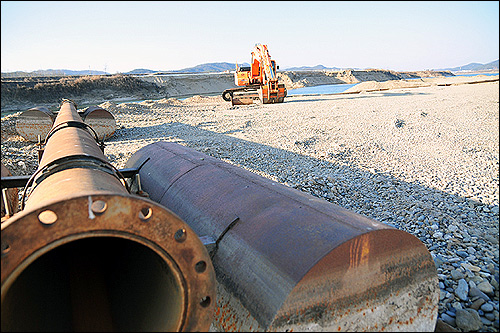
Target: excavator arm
{"x":261,"y":54}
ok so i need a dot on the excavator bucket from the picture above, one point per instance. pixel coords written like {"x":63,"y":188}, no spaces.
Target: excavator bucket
{"x":287,"y":261}
{"x":34,"y":124}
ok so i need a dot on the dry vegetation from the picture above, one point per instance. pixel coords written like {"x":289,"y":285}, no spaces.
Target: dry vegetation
{"x":42,"y":90}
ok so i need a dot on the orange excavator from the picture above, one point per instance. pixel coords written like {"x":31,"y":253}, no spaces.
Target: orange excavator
{"x":259,"y":81}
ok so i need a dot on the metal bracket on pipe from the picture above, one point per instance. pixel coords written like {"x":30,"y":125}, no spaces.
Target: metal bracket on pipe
{"x":209,"y":243}
{"x":8,"y":210}
{"x":21,"y":181}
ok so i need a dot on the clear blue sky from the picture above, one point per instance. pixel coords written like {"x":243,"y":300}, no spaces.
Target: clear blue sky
{"x":119,"y":36}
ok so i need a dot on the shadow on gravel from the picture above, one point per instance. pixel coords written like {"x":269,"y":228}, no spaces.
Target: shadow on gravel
{"x":445,"y":222}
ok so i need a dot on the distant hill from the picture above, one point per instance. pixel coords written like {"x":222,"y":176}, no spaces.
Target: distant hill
{"x":52,"y":72}
{"x":311,"y":68}
{"x":203,"y":68}
{"x":141,"y":71}
{"x":474,"y":66}
{"x":221,"y":67}
{"x":211,"y":67}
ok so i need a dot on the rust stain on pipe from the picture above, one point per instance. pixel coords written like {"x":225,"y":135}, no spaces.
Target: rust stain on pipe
{"x":86,"y":255}
{"x":285,"y":260}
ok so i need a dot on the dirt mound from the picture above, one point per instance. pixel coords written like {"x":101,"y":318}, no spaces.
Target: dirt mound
{"x":204,"y":99}
{"x":82,"y":90}
{"x":190,"y":84}
{"x":300,"y":79}
{"x":393,"y":84}
{"x":423,"y":82}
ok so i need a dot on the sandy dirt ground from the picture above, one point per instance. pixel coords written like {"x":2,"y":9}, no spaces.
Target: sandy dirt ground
{"x":419,"y":155}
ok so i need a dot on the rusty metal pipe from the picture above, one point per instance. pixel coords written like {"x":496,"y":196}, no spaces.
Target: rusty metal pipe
{"x":36,"y":122}
{"x":285,"y":260}
{"x":86,"y":255}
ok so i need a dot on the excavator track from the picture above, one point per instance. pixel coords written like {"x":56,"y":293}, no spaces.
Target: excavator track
{"x":241,"y":96}
{"x":248,"y":95}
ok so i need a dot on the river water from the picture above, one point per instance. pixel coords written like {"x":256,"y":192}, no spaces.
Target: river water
{"x":322,"y":89}
{"x":316,"y":90}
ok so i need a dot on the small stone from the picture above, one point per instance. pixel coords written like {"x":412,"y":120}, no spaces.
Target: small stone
{"x":485,"y":321}
{"x":468,"y":320}
{"x":472,"y":284}
{"x":490,"y":316}
{"x":485,"y":287}
{"x":437,"y":235}
{"x":473,"y":292}
{"x":448,"y":319}
{"x":491,"y":239}
{"x":457,"y":306}
{"x":450,"y":313}
{"x":463,"y":254}
{"x":462,"y":290}
{"x":494,"y":283}
{"x":456,"y":274}
{"x":438,"y":260}
{"x":470,"y":267}
{"x":487,"y":307}
{"x":477,"y":303}
{"x":441,"y":326}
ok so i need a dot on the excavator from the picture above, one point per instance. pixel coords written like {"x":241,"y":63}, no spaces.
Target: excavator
{"x":258,"y":81}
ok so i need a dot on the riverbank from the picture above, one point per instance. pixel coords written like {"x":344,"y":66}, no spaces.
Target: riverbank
{"x":20,"y":94}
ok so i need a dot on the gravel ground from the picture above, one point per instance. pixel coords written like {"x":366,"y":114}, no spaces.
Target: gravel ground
{"x":424,"y":160}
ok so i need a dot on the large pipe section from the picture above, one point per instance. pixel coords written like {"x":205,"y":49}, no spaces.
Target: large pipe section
{"x":35,"y":123}
{"x":285,"y":260}
{"x":84,"y":254}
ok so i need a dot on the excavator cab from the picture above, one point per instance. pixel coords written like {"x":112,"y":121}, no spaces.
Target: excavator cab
{"x":242,"y":76}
